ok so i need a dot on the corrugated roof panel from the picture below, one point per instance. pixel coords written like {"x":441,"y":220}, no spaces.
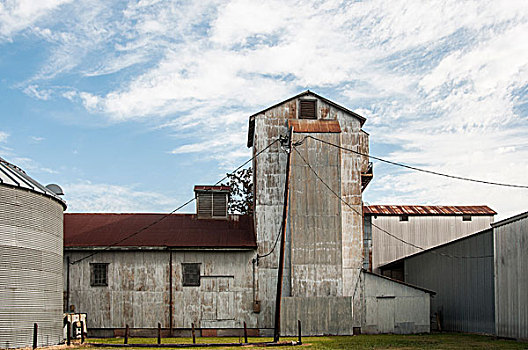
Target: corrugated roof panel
{"x":428,"y":210}
{"x":314,"y":125}
{"x":177,"y":230}
{"x":11,"y":175}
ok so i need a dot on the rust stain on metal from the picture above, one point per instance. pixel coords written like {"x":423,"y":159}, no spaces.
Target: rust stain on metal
{"x":324,"y":112}
{"x":310,"y":126}
{"x":428,"y":210}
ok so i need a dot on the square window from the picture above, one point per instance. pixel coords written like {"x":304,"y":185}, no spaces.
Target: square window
{"x":404,"y":217}
{"x":191,"y":275}
{"x":466,"y":217}
{"x":307,"y":109}
{"x":99,"y":275}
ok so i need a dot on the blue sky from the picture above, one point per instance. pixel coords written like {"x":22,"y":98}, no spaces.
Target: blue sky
{"x":128,"y":104}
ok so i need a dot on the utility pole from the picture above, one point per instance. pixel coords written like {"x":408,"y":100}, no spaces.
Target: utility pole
{"x":276,"y":334}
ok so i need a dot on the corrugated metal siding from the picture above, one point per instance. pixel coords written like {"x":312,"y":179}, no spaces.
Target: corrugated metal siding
{"x":428,"y":210}
{"x":464,"y":287}
{"x":391,"y":307}
{"x":138,"y":291}
{"x":312,"y":270}
{"x":423,"y":231}
{"x":13,"y":176}
{"x":511,"y":269}
{"x":30,"y":268}
{"x":316,"y":250}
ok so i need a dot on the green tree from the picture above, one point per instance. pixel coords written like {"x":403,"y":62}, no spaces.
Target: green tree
{"x":241,"y":195}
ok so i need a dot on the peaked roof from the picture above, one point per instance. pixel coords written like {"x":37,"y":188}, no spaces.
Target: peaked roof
{"x":510,"y":219}
{"x":428,"y":210}
{"x":305,"y":93}
{"x":176,"y":230}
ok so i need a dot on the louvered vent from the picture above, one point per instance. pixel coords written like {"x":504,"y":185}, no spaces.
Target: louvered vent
{"x":219,"y":204}
{"x":307,"y":109}
{"x":211,"y":201}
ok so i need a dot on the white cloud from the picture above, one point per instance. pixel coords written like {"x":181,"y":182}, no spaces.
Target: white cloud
{"x":86,"y":196}
{"x":17,"y":15}
{"x":37,"y":139}
{"x":34,"y":91}
{"x":438,"y":81}
{"x":3,"y":136}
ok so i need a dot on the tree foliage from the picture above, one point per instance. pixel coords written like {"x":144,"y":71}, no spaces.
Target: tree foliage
{"x":241,"y":195}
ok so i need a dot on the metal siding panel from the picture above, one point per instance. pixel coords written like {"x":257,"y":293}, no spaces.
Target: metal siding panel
{"x":465,"y":287}
{"x":30,"y":268}
{"x":423,"y":231}
{"x":512,"y":280}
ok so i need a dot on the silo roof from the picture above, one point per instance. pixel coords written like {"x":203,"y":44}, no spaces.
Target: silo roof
{"x":13,"y":176}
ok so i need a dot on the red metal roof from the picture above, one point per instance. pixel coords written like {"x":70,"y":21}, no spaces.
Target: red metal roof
{"x":177,"y":230}
{"x":428,"y":210}
{"x":314,"y":125}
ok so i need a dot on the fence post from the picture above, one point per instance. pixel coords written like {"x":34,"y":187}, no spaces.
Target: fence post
{"x":68,"y":332}
{"x":245,"y":333}
{"x":193,"y":334}
{"x":159,"y":333}
{"x":82,"y":332}
{"x":299,"y":340}
{"x":35,"y":333}
{"x":126,"y":334}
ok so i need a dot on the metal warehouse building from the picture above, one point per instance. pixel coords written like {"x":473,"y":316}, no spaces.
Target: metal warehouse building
{"x":31,"y":239}
{"x":480,"y":280}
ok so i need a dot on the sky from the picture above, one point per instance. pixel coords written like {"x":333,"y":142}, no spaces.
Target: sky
{"x":128,"y":104}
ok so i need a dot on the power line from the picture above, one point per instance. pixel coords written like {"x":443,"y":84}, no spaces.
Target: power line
{"x":411,"y":167}
{"x":172,"y":212}
{"x":381,"y":229}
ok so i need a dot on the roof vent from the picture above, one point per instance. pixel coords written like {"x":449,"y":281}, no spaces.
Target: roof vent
{"x":211,"y":201}
{"x":55,"y":189}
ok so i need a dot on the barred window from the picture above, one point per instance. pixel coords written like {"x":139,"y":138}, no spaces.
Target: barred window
{"x":191,"y":275}
{"x":99,"y":274}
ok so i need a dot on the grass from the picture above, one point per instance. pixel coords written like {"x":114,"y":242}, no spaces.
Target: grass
{"x":442,"y":341}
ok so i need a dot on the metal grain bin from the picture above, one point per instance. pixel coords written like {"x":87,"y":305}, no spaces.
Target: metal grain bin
{"x":31,"y":240}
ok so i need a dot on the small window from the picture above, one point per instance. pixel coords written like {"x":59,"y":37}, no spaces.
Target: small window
{"x":191,"y":275}
{"x":466,"y":217}
{"x":99,"y":275}
{"x":307,"y":109}
{"x":404,"y":217}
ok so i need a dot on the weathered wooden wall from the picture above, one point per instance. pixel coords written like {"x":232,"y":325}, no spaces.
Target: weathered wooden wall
{"x":138,"y":289}
{"x":424,"y":231}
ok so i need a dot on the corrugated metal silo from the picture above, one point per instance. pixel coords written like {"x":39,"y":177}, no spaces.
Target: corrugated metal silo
{"x":31,"y":243}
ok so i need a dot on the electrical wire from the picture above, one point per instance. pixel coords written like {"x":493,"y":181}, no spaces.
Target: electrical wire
{"x":374,"y":225}
{"x":172,"y":212}
{"x":411,"y":167}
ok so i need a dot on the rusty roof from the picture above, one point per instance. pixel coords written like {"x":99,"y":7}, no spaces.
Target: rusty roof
{"x":177,"y":230}
{"x":428,"y":210}
{"x":314,"y":125}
